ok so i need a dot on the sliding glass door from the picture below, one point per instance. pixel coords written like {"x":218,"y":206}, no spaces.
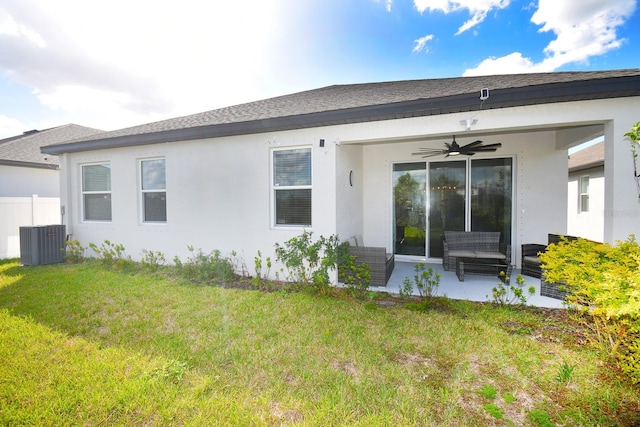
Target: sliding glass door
{"x":447,"y":201}
{"x":429,"y":198}
{"x":409,"y":201}
{"x":491,"y":196}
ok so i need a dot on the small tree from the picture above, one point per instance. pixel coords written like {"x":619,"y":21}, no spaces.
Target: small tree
{"x":634,"y":137}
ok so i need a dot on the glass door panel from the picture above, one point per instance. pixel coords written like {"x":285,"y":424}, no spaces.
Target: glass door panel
{"x":491,"y":196}
{"x":447,"y":207}
{"x":409,"y":192}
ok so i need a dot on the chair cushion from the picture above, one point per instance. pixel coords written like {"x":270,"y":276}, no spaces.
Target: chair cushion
{"x":490,"y":255}
{"x":352,"y":241}
{"x":359,"y":241}
{"x":462,"y":254}
{"x":532,"y":259}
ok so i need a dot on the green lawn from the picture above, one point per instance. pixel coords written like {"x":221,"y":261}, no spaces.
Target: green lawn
{"x":85,"y":345}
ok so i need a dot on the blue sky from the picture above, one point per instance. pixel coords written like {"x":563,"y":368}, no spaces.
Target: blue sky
{"x":121,"y":63}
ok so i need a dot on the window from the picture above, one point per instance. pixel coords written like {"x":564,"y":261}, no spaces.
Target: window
{"x":96,"y":192}
{"x":292,"y":186}
{"x":584,"y":194}
{"x":154,"y":190}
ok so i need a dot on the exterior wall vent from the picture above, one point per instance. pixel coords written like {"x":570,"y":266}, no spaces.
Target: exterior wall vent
{"x":42,"y":244}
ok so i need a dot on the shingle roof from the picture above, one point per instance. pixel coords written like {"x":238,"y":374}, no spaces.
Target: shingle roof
{"x":587,"y":158}
{"x":24,"y":150}
{"x":355,"y":103}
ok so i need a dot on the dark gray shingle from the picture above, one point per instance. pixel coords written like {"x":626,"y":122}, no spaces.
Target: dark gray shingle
{"x":372,"y":101}
{"x":24,"y":150}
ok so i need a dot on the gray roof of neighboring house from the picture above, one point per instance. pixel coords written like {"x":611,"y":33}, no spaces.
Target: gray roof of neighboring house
{"x":24,"y":150}
{"x":356,"y":103}
{"x":587,"y":158}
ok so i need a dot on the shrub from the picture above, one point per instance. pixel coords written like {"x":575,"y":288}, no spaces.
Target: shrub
{"x":205,"y":268}
{"x":111,"y":254}
{"x":425,"y":280}
{"x":75,"y":252}
{"x":357,"y":277}
{"x":507,"y":293}
{"x":152,"y":259}
{"x":259,"y":280}
{"x":308,"y":262}
{"x":604,"y":285}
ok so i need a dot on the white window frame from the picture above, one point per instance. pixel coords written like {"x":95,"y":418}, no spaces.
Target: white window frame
{"x":582,"y":195}
{"x":142,"y":191}
{"x":84,"y":192}
{"x":274,"y":188}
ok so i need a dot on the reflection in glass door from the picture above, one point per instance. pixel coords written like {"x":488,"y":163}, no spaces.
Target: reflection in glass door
{"x":491,"y":196}
{"x":409,"y":192}
{"x":447,"y":206}
{"x":462,"y":195}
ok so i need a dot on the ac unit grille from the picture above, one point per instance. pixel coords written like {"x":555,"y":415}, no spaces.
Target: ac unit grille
{"x":43,"y":244}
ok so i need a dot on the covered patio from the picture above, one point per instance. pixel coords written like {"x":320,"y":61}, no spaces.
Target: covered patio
{"x":474,"y":288}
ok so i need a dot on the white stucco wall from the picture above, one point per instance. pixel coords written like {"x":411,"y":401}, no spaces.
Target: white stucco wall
{"x":219,"y":192}
{"x":589,"y":225}
{"x":218,"y":196}
{"x":349,"y":191}
{"x":24,"y":182}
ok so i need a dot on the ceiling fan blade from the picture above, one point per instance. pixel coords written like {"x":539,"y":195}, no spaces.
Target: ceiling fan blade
{"x":496,"y":145}
{"x":428,"y":152}
{"x":470,"y":145}
{"x":441,"y":152}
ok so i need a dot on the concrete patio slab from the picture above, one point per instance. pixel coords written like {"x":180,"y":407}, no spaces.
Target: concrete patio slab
{"x":474,"y":287}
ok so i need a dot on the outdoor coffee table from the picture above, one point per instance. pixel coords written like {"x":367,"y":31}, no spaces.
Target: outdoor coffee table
{"x":483,"y":266}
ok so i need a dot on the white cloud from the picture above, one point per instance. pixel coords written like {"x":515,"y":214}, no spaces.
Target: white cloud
{"x":583,"y":29}
{"x":421,"y":43}
{"x":140,"y":59}
{"x":10,"y":127}
{"x":477,"y":8}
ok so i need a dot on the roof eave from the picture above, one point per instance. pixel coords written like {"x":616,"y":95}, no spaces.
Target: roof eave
{"x":501,"y":98}
{"x":32,"y":165}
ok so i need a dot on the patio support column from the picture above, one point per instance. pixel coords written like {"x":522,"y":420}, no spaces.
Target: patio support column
{"x":622,"y":205}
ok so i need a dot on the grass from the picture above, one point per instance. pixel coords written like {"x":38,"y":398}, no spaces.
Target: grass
{"x":84,"y":345}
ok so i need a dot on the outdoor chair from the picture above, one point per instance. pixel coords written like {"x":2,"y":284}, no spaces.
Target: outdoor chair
{"x":530,"y":259}
{"x":380,"y":262}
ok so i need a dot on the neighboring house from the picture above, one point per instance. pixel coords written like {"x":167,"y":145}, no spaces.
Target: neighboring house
{"x":30,"y":182}
{"x":339,"y":160}
{"x":586,"y":193}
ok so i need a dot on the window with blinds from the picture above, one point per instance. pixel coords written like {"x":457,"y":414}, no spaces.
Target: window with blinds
{"x":154,"y":190}
{"x":292,"y":186}
{"x":96,"y":192}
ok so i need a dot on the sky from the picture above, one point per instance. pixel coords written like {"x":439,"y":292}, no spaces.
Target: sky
{"x":120,"y":63}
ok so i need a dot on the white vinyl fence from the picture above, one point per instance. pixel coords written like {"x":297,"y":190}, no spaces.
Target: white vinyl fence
{"x":18,"y":211}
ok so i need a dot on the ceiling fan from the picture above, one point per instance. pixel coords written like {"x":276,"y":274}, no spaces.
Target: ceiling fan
{"x":453,"y":149}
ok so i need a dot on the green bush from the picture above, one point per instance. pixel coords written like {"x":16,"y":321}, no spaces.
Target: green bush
{"x":357,"y":277}
{"x":75,"y":252}
{"x":308,"y":262}
{"x":152,"y":259}
{"x":205,"y":268}
{"x":426,"y":280}
{"x":111,"y":254}
{"x":507,"y":293}
{"x":604,"y":290}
